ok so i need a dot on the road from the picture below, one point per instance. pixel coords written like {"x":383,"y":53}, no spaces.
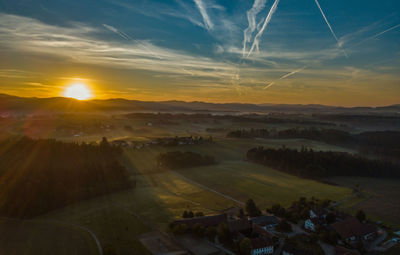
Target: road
{"x":209,"y":189}
{"x":328,"y":249}
{"x":374,"y":245}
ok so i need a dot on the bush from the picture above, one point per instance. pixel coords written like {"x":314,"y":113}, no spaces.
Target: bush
{"x":211,"y":232}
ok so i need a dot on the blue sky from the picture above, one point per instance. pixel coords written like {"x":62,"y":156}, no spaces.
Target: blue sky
{"x":262,"y":51}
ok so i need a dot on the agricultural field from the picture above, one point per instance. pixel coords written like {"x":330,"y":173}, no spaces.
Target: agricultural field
{"x":44,"y":238}
{"x":160,"y":195}
{"x":382,"y":200}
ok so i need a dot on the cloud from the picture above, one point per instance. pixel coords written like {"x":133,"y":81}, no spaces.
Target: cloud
{"x":203,"y":11}
{"x":257,"y":38}
{"x":257,"y":7}
{"x":113,"y":29}
{"x":78,"y":43}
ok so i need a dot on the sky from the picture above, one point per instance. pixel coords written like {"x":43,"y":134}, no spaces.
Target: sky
{"x":332,"y":52}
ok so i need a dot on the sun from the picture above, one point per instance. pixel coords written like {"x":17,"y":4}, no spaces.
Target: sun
{"x":78,"y":91}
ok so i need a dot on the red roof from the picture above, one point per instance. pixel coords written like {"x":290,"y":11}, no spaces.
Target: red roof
{"x":352,"y":227}
{"x":261,"y":231}
{"x":262,"y":242}
{"x":205,"y":221}
{"x":239,"y":225}
{"x":344,"y":251}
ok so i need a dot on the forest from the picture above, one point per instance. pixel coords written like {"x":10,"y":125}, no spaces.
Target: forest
{"x":316,"y":164}
{"x":383,"y":144}
{"x":178,"y":159}
{"x":37,"y":176}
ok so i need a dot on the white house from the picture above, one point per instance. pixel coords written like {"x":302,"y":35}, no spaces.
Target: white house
{"x":311,"y":224}
{"x":262,"y":246}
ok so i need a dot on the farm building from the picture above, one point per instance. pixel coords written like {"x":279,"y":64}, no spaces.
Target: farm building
{"x":262,"y":246}
{"x":352,"y":230}
{"x":205,"y":221}
{"x":267,"y":222}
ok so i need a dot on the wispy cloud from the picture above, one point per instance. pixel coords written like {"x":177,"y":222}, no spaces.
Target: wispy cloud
{"x":258,"y":36}
{"x":257,"y":7}
{"x":330,"y":27}
{"x":78,"y":43}
{"x":203,"y":11}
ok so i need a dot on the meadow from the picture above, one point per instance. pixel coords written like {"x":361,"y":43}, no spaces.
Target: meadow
{"x":44,"y":238}
{"x":381,"y":201}
{"x":162,"y":195}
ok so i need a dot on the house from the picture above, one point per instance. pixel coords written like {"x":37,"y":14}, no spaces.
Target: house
{"x":260,"y":231}
{"x":352,"y":230}
{"x":289,"y":249}
{"x":232,"y":212}
{"x":240,"y":225}
{"x":267,"y":222}
{"x":119,"y":143}
{"x":262,"y":245}
{"x":205,"y":221}
{"x":312,"y":224}
{"x":340,"y":250}
{"x":319,"y":213}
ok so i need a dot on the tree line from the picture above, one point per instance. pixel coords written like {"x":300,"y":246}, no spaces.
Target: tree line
{"x":37,"y":176}
{"x":178,"y":159}
{"x":380,"y":143}
{"x":316,"y":164}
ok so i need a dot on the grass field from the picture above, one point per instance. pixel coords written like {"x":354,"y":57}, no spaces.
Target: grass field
{"x":160,"y":195}
{"x":382,"y":202}
{"x":44,"y":238}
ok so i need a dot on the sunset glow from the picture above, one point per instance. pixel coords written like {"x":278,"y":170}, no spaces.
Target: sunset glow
{"x":78,"y":91}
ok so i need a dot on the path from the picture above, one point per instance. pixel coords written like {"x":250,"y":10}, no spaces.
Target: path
{"x":93,"y":235}
{"x":90,"y":232}
{"x":209,"y":189}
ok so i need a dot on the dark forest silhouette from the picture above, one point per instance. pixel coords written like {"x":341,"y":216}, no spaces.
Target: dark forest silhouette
{"x":37,"y":176}
{"x":315,"y":164}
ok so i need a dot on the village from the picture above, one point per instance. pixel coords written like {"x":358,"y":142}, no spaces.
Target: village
{"x":163,"y":141}
{"x":307,"y":227}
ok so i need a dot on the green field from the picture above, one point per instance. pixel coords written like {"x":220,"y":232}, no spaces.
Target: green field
{"x":44,"y":238}
{"x":382,"y":202}
{"x":161,"y":195}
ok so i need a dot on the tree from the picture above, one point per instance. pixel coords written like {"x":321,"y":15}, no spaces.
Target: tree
{"x":211,"y":232}
{"x":252,"y":209}
{"x":241,"y":214}
{"x":180,"y":229}
{"x":245,"y":246}
{"x":185,"y":214}
{"x":330,"y":218}
{"x":223,"y":232}
{"x":275,"y":209}
{"x":199,"y":214}
{"x":284,"y":226}
{"x":361,"y":215}
{"x":190,"y":214}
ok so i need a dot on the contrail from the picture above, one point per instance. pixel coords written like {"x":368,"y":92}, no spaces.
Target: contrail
{"x":330,"y":27}
{"x":113,"y":29}
{"x":202,"y":9}
{"x":387,"y":30}
{"x":256,"y":40}
{"x":127,"y":37}
{"x":257,"y":7}
{"x":285,"y":76}
{"x":376,"y":36}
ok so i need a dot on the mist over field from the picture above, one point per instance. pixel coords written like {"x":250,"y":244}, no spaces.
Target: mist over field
{"x":199,"y":127}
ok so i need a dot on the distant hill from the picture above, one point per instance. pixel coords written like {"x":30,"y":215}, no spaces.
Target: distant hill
{"x":22,"y":105}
